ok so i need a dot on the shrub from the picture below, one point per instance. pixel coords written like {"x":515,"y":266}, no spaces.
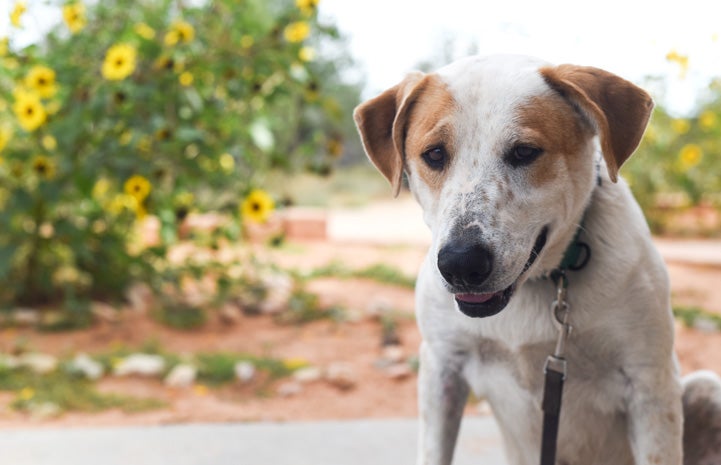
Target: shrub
{"x":135,"y":108}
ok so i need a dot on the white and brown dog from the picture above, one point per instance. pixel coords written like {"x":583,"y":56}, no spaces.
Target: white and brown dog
{"x":508,"y":157}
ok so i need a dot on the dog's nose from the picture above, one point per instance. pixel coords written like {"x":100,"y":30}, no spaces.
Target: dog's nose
{"x":464,"y":264}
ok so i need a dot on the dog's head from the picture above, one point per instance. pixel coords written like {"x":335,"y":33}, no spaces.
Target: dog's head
{"x":501,"y":153}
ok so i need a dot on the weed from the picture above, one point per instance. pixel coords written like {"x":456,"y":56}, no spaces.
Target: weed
{"x":379,"y":272}
{"x":691,"y":315}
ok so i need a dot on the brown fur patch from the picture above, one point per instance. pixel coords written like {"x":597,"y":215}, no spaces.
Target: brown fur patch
{"x":431,"y":123}
{"x":551,"y":123}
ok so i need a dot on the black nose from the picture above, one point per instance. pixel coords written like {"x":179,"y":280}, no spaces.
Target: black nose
{"x":465,"y":264}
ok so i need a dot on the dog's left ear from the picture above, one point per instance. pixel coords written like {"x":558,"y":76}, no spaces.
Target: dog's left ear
{"x":381,"y":124}
{"x":619,"y":109}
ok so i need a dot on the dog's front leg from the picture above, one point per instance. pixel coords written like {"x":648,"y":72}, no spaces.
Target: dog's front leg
{"x":442,"y":395}
{"x":655,"y":416}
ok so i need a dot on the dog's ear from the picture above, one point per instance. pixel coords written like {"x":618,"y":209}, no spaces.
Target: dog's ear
{"x":619,"y":109}
{"x":381,"y":123}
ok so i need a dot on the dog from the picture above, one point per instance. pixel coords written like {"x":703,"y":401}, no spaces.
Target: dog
{"x":513,"y":160}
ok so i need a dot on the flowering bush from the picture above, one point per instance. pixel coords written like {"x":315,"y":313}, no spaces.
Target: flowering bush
{"x":128,"y":108}
{"x":677,"y":165}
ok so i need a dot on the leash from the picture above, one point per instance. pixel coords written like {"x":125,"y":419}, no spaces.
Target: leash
{"x":575,"y":258}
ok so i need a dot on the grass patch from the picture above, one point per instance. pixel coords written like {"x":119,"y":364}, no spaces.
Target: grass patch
{"x":215,"y":369}
{"x":690,"y":316}
{"x":304,"y":307}
{"x":65,"y":392}
{"x":379,"y":272}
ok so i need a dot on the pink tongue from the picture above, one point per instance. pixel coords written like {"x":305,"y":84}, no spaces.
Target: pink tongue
{"x":475,"y":298}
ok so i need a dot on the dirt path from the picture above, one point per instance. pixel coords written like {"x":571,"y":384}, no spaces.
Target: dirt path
{"x":356,"y":343}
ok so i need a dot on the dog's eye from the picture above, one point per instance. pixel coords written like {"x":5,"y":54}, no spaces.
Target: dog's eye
{"x":435,"y":158}
{"x":523,"y":154}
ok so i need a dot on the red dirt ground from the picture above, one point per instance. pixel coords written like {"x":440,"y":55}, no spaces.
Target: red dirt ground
{"x":355,"y":342}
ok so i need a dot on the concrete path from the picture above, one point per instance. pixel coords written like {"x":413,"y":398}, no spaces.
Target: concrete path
{"x":400,"y":221}
{"x":362,"y":442}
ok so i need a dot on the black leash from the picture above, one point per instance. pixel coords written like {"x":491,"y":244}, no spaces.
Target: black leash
{"x":576,"y":257}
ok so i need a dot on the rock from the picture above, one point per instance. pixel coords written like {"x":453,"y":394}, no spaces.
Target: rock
{"x":104,"y":312}
{"x":229,"y":313}
{"x":483,"y":408}
{"x":399,"y":371}
{"x":43,"y":410}
{"x":308,"y":375}
{"x":9,"y":361}
{"x":244,"y":372}
{"x":289,"y":388}
{"x":279,"y":287}
{"x":379,"y":306}
{"x":393,"y":353}
{"x":141,"y":365}
{"x":38,"y":363}
{"x":87,"y":367}
{"x":25,"y":317}
{"x":705,"y":324}
{"x":140,"y":297}
{"x":341,"y":375}
{"x":181,"y":376}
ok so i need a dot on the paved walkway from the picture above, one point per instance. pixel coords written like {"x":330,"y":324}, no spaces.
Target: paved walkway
{"x":401,"y":221}
{"x":363,"y":442}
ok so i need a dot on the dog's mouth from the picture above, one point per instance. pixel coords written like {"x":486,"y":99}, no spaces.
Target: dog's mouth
{"x":489,"y":304}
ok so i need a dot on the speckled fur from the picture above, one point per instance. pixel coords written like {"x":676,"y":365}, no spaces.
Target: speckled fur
{"x":622,"y":400}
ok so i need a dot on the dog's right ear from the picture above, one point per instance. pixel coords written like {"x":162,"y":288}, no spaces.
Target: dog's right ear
{"x":381,"y":122}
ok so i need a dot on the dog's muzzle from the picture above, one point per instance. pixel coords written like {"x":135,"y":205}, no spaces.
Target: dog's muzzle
{"x":467,"y":266}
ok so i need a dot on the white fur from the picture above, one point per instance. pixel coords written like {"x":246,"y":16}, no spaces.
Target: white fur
{"x":622,"y":397}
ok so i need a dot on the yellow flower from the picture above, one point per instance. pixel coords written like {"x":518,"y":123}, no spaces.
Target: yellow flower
{"x":17,"y":13}
{"x":43,"y":166}
{"x":227,"y":162}
{"x":49,"y":143}
{"x":681,"y":60}
{"x":307,"y":3}
{"x":26,"y":393}
{"x":125,"y":137}
{"x":3,"y":46}
{"x":119,"y":62}
{"x":180,"y":31}
{"x":74,"y":16}
{"x":200,"y":390}
{"x":41,"y":79}
{"x":144,"y":31}
{"x":257,"y":206}
{"x":690,"y":156}
{"x":680,"y":126}
{"x":707,"y":120}
{"x":306,"y":54}
{"x":297,"y":31}
{"x":247,"y":41}
{"x":307,"y":6}
{"x":6,"y":133}
{"x":29,"y":110}
{"x":295,"y":363}
{"x":138,"y":187}
{"x":185,"y":79}
{"x":101,"y":188}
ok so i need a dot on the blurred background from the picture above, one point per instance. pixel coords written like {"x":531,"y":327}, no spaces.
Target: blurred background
{"x":190,"y":231}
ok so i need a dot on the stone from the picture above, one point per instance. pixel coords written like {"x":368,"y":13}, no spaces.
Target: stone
{"x":399,"y":371}
{"x":38,"y":363}
{"x":229,"y":313}
{"x":25,"y":317}
{"x":279,"y":287}
{"x":140,"y":297}
{"x":289,"y":388}
{"x":141,"y":365}
{"x":341,"y":375}
{"x":181,"y":376}
{"x":244,"y":372}
{"x":308,"y":375}
{"x":104,"y":312}
{"x":87,"y":367}
{"x":393,"y":353}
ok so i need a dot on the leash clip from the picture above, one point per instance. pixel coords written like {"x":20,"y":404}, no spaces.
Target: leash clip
{"x":561,"y":312}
